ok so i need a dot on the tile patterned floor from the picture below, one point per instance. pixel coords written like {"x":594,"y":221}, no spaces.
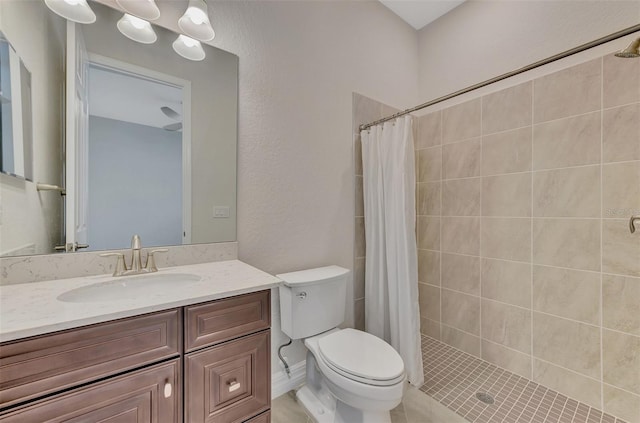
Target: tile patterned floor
{"x":453,"y":378}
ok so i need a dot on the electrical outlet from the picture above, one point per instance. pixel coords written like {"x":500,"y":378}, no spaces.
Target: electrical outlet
{"x":220,"y":211}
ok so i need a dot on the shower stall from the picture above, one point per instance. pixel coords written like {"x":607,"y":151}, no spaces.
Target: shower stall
{"x":527,"y":197}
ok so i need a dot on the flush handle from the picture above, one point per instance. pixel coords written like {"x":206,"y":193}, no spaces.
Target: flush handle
{"x":302,"y":295}
{"x":632,"y":223}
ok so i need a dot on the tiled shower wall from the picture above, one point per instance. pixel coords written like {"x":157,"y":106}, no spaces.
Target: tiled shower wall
{"x":525,"y":253}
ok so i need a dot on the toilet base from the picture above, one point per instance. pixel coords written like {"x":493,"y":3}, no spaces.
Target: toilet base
{"x":331,"y":410}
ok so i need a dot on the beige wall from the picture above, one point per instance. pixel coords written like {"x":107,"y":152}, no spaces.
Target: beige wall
{"x":30,"y":222}
{"x":525,"y":255}
{"x":484,"y":38}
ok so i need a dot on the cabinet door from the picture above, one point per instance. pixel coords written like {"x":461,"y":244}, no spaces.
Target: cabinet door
{"x":229,"y":382}
{"x":146,"y":396}
{"x":262,"y":418}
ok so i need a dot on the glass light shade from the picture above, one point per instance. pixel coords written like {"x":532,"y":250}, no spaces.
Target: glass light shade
{"x":137,"y":29}
{"x":195,"y":22}
{"x":145,"y":9}
{"x":189,"y":48}
{"x":73,"y":10}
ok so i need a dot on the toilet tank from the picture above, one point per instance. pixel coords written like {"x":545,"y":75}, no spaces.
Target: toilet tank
{"x":312,"y":301}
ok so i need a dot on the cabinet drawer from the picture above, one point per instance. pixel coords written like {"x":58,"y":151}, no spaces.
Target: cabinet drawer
{"x":49,"y":363}
{"x":222,"y":320}
{"x":139,"y":397}
{"x":229,"y":382}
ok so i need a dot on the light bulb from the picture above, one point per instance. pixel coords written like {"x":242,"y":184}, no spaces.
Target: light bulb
{"x":195,"y":21}
{"x":189,"y":48}
{"x":137,"y":29}
{"x":196,"y":15}
{"x":72,"y":2}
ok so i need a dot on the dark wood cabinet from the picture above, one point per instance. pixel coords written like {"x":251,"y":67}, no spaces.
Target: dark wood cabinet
{"x":129,"y":370}
{"x":229,"y":382}
{"x":144,"y":396}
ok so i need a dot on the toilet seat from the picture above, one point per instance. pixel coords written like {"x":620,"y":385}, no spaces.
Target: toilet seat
{"x":361,"y":357}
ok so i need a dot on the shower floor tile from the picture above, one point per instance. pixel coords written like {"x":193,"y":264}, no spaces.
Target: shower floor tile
{"x":453,"y":378}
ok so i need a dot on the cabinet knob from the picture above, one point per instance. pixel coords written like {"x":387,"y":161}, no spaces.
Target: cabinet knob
{"x":167,"y":389}
{"x":233,"y":385}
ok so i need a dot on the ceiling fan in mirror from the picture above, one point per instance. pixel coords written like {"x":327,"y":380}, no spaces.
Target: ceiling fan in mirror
{"x":172,"y":114}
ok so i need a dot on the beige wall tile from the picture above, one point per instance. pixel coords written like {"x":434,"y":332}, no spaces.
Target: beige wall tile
{"x":573,"y":243}
{"x":566,"y":343}
{"x":506,"y":238}
{"x":506,"y":325}
{"x":507,"y":109}
{"x":365,"y":110}
{"x":428,"y":233}
{"x":621,"y":81}
{"x":358,"y":310}
{"x":621,"y":404}
{"x":462,"y":159}
{"x":429,"y":130}
{"x":461,"y":197}
{"x":507,"y":281}
{"x":357,"y":154}
{"x":429,"y":164}
{"x":429,"y":267}
{"x":359,"y":197}
{"x":358,"y":278}
{"x":461,"y":311}
{"x":430,"y":328}
{"x":621,"y":303}
{"x":507,"y":195}
{"x":460,"y":340}
{"x":621,"y":189}
{"x":621,"y":360}
{"x":620,"y":248}
{"x":507,"y":152}
{"x":461,"y":122}
{"x":361,"y":247}
{"x":573,"y":294}
{"x":571,"y":91}
{"x":429,"y":198}
{"x":571,"y":192}
{"x":574,"y":141}
{"x":461,"y":235}
{"x":572,"y":384}
{"x":507,"y":358}
{"x":429,"y":300}
{"x":621,"y":134}
{"x":461,"y":273}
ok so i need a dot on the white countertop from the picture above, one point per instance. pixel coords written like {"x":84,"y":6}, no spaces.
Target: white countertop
{"x":34,"y":308}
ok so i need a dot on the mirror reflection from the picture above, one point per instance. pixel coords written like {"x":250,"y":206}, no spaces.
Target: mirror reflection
{"x":149,"y":143}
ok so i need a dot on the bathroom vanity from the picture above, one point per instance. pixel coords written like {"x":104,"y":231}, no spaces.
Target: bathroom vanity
{"x":200,"y":353}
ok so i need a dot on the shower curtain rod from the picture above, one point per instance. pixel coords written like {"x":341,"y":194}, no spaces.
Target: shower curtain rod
{"x":537,"y":64}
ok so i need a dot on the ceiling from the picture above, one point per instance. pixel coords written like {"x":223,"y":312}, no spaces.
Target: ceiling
{"x":419,"y":13}
{"x":136,"y":100}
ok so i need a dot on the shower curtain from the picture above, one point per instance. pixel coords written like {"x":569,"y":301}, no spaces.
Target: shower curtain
{"x":391,"y":272}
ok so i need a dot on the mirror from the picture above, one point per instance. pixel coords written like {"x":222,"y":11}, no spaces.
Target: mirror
{"x":150,"y":140}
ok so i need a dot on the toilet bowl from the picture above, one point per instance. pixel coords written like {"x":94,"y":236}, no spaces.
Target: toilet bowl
{"x":352,"y":376}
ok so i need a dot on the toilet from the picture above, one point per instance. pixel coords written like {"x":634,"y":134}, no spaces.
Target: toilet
{"x":352,"y":376}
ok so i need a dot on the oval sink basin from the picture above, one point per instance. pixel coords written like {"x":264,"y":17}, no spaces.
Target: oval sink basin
{"x":129,"y":287}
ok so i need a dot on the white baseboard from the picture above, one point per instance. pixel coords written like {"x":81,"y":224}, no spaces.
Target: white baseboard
{"x":281,"y":383}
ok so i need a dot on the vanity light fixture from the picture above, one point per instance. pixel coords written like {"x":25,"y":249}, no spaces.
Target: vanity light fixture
{"x":73,"y":10}
{"x":195,"y":22}
{"x":189,"y":48}
{"x":137,"y":29}
{"x":145,"y":9}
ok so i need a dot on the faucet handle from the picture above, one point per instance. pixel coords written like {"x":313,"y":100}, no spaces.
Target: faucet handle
{"x":151,"y":262}
{"x":121,"y":267}
{"x":136,"y":242}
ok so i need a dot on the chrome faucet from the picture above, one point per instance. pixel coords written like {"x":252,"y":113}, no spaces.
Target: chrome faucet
{"x":136,"y":260}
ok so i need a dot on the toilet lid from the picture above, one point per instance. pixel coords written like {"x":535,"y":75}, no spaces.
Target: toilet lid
{"x":361,"y":354}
